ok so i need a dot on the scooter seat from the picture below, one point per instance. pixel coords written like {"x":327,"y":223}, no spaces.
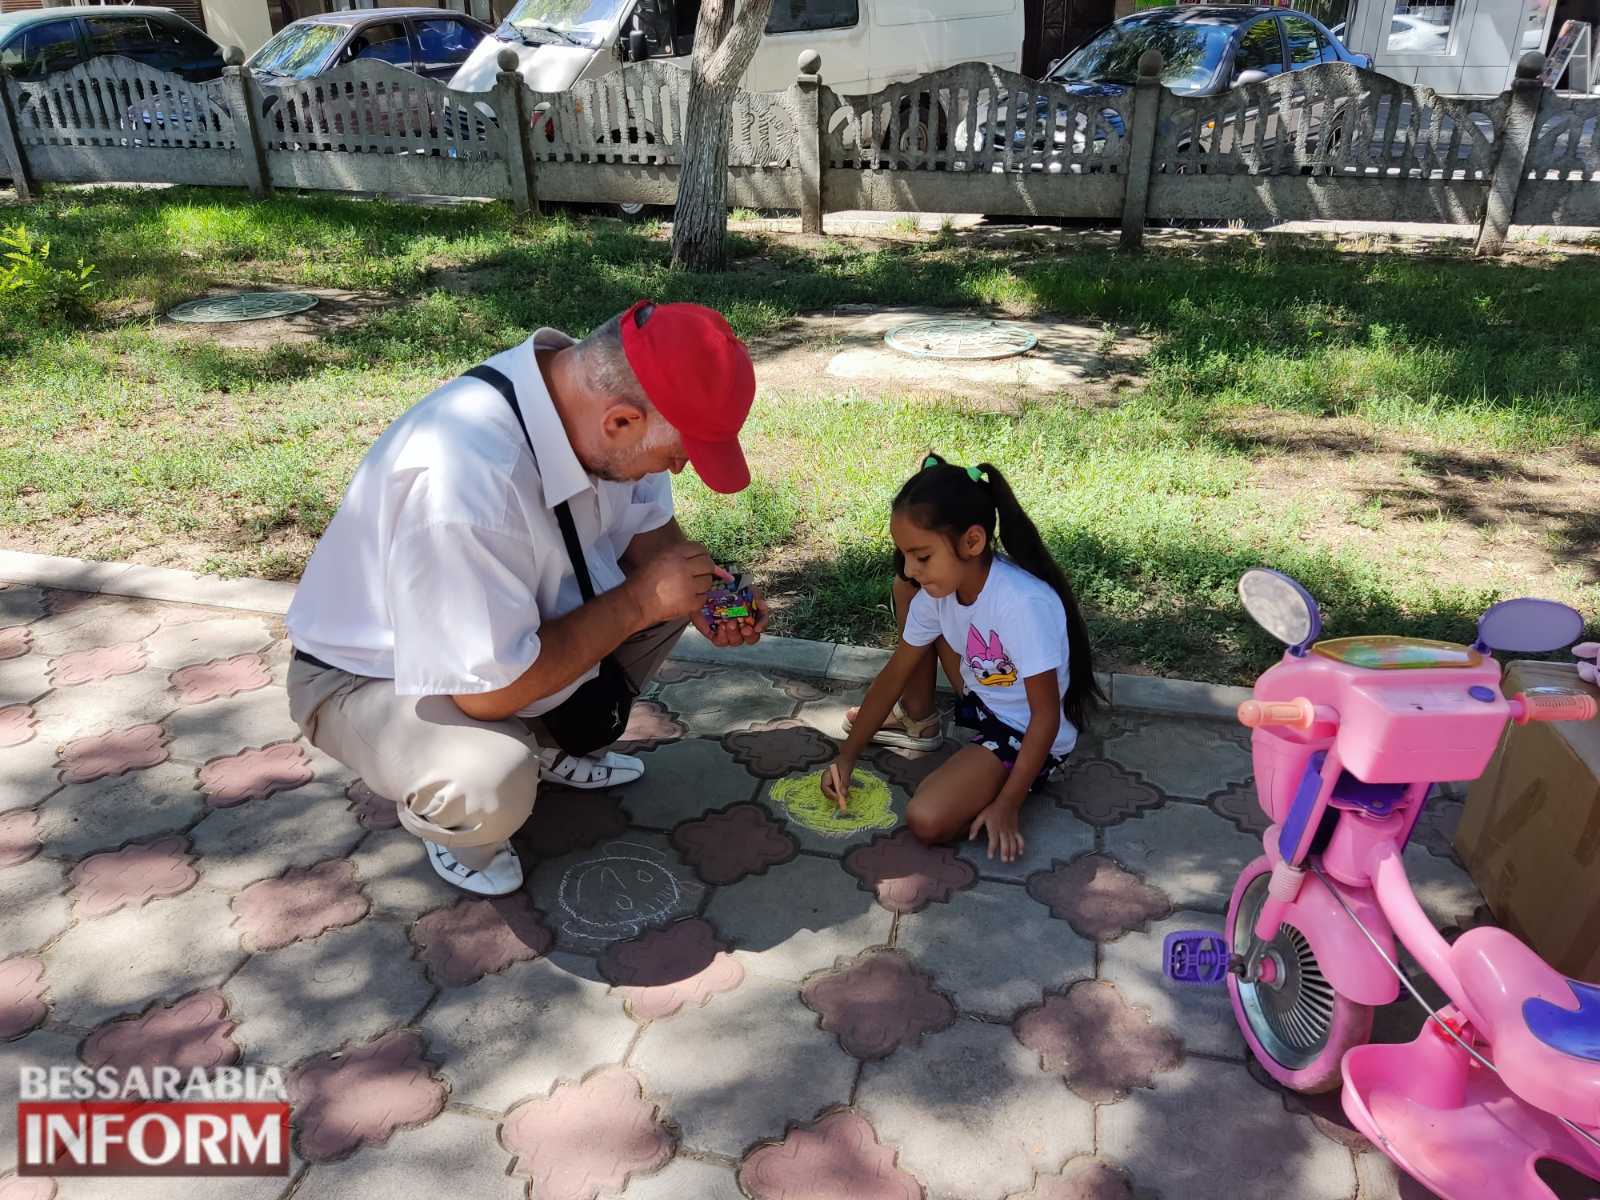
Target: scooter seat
{"x":1543,"y":1028}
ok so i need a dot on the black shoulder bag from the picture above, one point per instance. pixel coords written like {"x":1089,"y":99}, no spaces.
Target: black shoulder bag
{"x":597,"y":713}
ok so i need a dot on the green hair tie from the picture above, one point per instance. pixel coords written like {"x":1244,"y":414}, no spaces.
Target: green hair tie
{"x":933,"y":460}
{"x":974,"y":474}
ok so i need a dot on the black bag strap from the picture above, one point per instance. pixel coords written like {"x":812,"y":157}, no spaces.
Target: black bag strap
{"x":569,"y":531}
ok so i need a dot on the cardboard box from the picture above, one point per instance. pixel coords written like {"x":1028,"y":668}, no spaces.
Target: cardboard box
{"x":1530,"y":834}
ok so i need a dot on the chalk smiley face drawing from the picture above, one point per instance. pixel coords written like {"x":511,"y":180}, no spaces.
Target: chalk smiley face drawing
{"x":988,"y":659}
{"x":626,"y":889}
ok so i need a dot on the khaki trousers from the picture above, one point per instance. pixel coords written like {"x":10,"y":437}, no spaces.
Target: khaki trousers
{"x":459,"y":782}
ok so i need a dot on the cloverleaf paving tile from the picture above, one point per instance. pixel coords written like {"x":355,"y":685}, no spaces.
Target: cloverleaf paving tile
{"x":19,"y":605}
{"x":361,"y":1095}
{"x":565,"y":820}
{"x":22,"y":996}
{"x":449,"y":1156}
{"x":94,"y":622}
{"x":176,"y":646}
{"x":798,"y":918}
{"x":741,"y":840}
{"x":1102,"y":793}
{"x":254,"y":774}
{"x":110,"y":811}
{"x":117,"y":703}
{"x":997,"y":1120}
{"x":17,"y":724}
{"x":874,"y":808}
{"x":1272,"y":1153}
{"x":1050,"y":835}
{"x":513,"y":1035}
{"x":239,"y":845}
{"x":120,"y":963}
{"x":613,"y":891}
{"x":99,"y":755}
{"x":473,"y":938}
{"x":1100,"y":1044}
{"x":905,"y":875}
{"x":1083,"y":1179}
{"x":990,"y":951}
{"x":876,"y":1004}
{"x":839,"y":1155}
{"x":190,"y":1033}
{"x":396,"y":876}
{"x":220,"y":679}
{"x":714,"y":704}
{"x":132,"y":876}
{"x":353,"y":982}
{"x":685,"y":780}
{"x":19,"y":837}
{"x":35,"y":906}
{"x":218,"y":728}
{"x":587,"y":1138}
{"x":1184,"y":757}
{"x":664,"y":970}
{"x":92,"y":666}
{"x":774,"y":749}
{"x":1098,"y":897}
{"x":744,"y":1068}
{"x":1203,"y":1017}
{"x":677,"y":670}
{"x":1239,"y":804}
{"x":304,"y":903}
{"x":371,"y":810}
{"x":908,"y":769}
{"x":15,"y":641}
{"x":23,"y":679}
{"x":1185,"y":851}
{"x":650,"y":725}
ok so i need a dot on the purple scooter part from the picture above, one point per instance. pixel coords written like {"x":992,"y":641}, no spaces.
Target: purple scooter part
{"x":1196,"y":957}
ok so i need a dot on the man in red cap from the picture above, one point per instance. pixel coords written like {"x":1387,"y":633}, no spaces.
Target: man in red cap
{"x":504,"y":574}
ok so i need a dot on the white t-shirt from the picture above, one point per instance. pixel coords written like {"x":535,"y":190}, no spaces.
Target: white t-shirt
{"x":445,"y":554}
{"x":1016,"y":628}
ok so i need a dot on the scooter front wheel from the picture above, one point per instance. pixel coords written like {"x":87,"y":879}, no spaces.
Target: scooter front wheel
{"x":1297,"y":1025}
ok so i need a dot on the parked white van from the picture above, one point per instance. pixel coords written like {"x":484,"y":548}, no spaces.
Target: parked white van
{"x":865,"y":44}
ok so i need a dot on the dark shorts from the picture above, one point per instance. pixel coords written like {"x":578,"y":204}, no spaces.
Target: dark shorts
{"x":995,"y":736}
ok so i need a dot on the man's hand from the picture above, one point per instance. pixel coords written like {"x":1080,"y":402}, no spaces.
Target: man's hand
{"x":674,"y":582}
{"x":741,"y":631}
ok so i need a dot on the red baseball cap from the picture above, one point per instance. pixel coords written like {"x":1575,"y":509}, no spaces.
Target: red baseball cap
{"x":699,"y":375}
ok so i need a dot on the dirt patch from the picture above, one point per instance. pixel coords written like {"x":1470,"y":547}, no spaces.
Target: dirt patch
{"x":1090,"y":363}
{"x":1522,"y":523}
{"x":336,"y":311}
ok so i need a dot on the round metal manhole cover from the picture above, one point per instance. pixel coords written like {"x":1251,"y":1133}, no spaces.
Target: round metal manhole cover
{"x":960,"y":337}
{"x":243,"y":306}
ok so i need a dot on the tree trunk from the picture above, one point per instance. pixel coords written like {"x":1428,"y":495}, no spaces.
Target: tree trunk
{"x":725,"y":38}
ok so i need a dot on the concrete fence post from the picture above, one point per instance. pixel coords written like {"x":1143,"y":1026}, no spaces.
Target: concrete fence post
{"x":809,"y":86}
{"x":246,"y":127}
{"x":1141,"y":148}
{"x":511,"y":105}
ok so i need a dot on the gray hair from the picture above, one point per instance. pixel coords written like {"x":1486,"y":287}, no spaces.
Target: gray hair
{"x":605,"y":365}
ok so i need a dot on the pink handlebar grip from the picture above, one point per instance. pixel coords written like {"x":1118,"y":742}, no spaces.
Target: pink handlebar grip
{"x":1552,"y":706}
{"x":1298,"y":713}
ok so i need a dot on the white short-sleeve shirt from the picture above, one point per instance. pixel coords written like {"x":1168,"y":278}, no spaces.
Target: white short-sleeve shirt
{"x":445,"y":555}
{"x":1016,"y":628}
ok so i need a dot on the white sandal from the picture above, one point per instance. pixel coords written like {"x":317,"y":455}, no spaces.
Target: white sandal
{"x":907,"y":733}
{"x":590,"y":774}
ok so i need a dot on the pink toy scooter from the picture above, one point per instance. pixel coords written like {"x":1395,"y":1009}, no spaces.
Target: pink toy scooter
{"x":1349,"y":735}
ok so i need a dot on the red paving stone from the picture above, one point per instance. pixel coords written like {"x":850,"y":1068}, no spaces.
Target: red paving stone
{"x":1099,"y":1043}
{"x":473,"y":938}
{"x":740,"y":840}
{"x":664,"y":970}
{"x":92,"y":666}
{"x":877,"y":1004}
{"x":362,"y":1095}
{"x":219,"y":679}
{"x":103,"y":754}
{"x":132,"y":876}
{"x":906,"y":875}
{"x":1098,"y":898}
{"x":22,"y":996}
{"x":587,"y":1139}
{"x":838,"y":1156}
{"x":188,"y":1033}
{"x":305,"y":902}
{"x":774,"y":749}
{"x":17,"y":724}
{"x":254,"y":774}
{"x":1099,"y":792}
{"x":19,"y":837}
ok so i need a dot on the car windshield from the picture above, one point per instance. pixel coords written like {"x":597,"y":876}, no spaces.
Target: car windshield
{"x":298,"y":52}
{"x":1190,"y":50}
{"x":578,"y":22}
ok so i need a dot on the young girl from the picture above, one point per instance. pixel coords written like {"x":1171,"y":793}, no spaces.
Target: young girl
{"x":1025,"y":665}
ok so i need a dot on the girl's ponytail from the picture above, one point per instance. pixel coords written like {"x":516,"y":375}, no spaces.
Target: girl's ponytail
{"x":1023,"y":545}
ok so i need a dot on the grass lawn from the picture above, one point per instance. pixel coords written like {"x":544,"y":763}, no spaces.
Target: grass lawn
{"x":1413,"y":435}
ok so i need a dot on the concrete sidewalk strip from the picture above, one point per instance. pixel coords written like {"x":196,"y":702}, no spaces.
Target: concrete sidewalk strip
{"x":701,"y":992}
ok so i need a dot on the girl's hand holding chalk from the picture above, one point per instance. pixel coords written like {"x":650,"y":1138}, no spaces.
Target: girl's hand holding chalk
{"x":836,"y":781}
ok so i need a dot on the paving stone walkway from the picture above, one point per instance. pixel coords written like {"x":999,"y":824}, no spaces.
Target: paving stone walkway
{"x":699,"y":996}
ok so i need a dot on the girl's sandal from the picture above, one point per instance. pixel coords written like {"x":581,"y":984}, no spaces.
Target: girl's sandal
{"x":904,"y":732}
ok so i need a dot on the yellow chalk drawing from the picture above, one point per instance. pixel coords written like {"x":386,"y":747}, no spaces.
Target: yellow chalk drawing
{"x":869,"y":806}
